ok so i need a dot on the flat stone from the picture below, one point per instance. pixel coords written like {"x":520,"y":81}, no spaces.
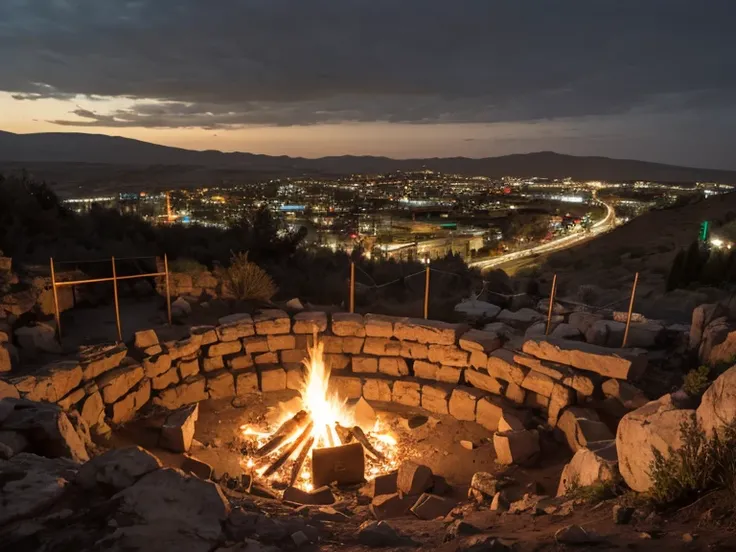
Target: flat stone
{"x":125,"y":409}
{"x":516,"y":447}
{"x":188,"y":367}
{"x":581,"y":427}
{"x":393,"y":366}
{"x":375,"y":389}
{"x":489,"y":411}
{"x":72,"y":399}
{"x":117,"y":468}
{"x":190,"y":391}
{"x":224,"y":348}
{"x":246,"y":383}
{"x":272,"y":321}
{"x":407,"y":393}
{"x":435,"y":397}
{"x":220,"y":385}
{"x":183,"y":348}
{"x":382,"y":485}
{"x":235,"y":326}
{"x":310,"y":322}
{"x":515,"y":394}
{"x":379,"y":534}
{"x":320,"y":496}
{"x":502,"y":364}
{"x":346,"y":387}
{"x":144,"y":339}
{"x":197,"y":467}
{"x":341,"y":362}
{"x":381,"y":346}
{"x":212,"y":364}
{"x":379,"y":325}
{"x":365,"y":365}
{"x":410,"y":349}
{"x":207,"y":335}
{"x":448,"y":355}
{"x":561,"y":398}
{"x":53,"y":382}
{"x":462,"y":404}
{"x":156,"y":365}
{"x":346,"y":324}
{"x":291,"y":356}
{"x":480,"y":340}
{"x":240,"y":362}
{"x":431,"y":506}
{"x":256,"y":344}
{"x":273,"y":378}
{"x":266,"y":358}
{"x":538,"y":383}
{"x":629,"y":396}
{"x":92,"y":409}
{"x":281,"y":342}
{"x":177,"y":432}
{"x":485,"y":382}
{"x":427,"y":331}
{"x":414,"y":478}
{"x":117,"y":382}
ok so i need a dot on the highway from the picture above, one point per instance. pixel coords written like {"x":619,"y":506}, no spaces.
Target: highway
{"x":604,"y":225}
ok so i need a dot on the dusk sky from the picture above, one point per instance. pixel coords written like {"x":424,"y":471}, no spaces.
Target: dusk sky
{"x":643,"y":79}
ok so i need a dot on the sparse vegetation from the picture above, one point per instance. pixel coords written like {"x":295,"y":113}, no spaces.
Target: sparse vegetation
{"x":696,"y":381}
{"x":702,"y":464}
{"x":593,"y":494}
{"x":247,"y":280}
{"x":187,"y":266}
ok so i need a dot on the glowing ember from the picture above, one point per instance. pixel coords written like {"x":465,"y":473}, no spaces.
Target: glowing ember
{"x":315,"y":426}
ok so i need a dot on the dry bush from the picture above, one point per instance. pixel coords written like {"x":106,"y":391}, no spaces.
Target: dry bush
{"x":248,"y":281}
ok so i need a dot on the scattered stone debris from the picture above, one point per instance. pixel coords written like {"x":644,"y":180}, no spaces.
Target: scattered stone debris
{"x":622,"y":514}
{"x":575,"y":534}
{"x":379,"y":534}
{"x":460,"y":528}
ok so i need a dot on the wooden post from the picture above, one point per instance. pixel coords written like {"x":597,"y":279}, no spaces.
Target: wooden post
{"x":117,"y":303}
{"x":57,"y":314}
{"x":168,"y":292}
{"x":551,"y":303}
{"x":352,"y":286}
{"x":631,"y":309}
{"x":426,"y":294}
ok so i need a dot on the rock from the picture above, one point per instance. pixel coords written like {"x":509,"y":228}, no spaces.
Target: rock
{"x":499,"y":503}
{"x":191,"y":390}
{"x":156,"y":365}
{"x":391,"y":505}
{"x":145,"y":339}
{"x":609,"y":333}
{"x":486,"y":483}
{"x":378,"y":534}
{"x":467,"y":445}
{"x":431,"y":506}
{"x":459,"y":528}
{"x":510,"y":422}
{"x":117,"y":382}
{"x":528,"y":502}
{"x":125,"y":409}
{"x":349,"y":325}
{"x":310,"y":322}
{"x":479,"y":340}
{"x":622,"y":514}
{"x":48,"y":429}
{"x":590,"y":467}
{"x":654,"y":425}
{"x":319,"y":496}
{"x":364,"y":415}
{"x":626,"y":364}
{"x":574,"y":534}
{"x":582,"y":321}
{"x":299,"y":538}
{"x":718,"y":406}
{"x":427,"y":331}
{"x":472,"y":309}
{"x":566,"y":331}
{"x":181,"y":308}
{"x":485,"y":543}
{"x":629,"y":396}
{"x":31,"y":485}
{"x":581,"y":427}
{"x":97,"y":360}
{"x":702,"y":316}
{"x":516,"y":447}
{"x":117,"y":469}
{"x":92,"y":409}
{"x":235,"y":326}
{"x":272,"y":321}
{"x":171,"y":503}
{"x":522,"y":318}
{"x":413,"y":478}
{"x":12,"y":443}
{"x":382,"y":485}
{"x":719,"y":343}
{"x":197,"y":467}
{"x":6,"y":357}
{"x":53,"y":381}
{"x":38,"y":338}
{"x":178,"y":429}
{"x":294,"y":304}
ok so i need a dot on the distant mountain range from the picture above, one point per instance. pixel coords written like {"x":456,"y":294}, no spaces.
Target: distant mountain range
{"x":53,"y":148}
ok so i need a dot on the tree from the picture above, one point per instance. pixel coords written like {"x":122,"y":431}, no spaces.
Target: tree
{"x":675,"y":278}
{"x":694,"y":261}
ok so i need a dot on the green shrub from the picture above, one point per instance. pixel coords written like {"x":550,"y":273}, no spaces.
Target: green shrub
{"x":702,"y":464}
{"x":247,"y":280}
{"x":187,"y":266}
{"x":593,"y":494}
{"x":697,"y":381}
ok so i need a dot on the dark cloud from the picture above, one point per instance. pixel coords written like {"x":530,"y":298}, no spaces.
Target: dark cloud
{"x":229,"y":63}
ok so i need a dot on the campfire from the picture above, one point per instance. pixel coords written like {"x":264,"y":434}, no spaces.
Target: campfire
{"x":325,"y":441}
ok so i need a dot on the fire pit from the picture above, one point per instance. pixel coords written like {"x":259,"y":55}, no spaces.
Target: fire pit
{"x":322,"y":442}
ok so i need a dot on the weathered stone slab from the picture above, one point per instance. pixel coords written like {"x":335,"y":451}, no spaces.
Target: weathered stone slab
{"x":177,"y":432}
{"x":189,"y":391}
{"x":144,"y":339}
{"x":266,"y":358}
{"x":417,"y":351}
{"x":272,"y":321}
{"x":375,"y":389}
{"x":348,"y":324}
{"x":561,"y":398}
{"x":516,"y":447}
{"x":183,"y":348}
{"x":435,"y":397}
{"x":502,"y":365}
{"x":485,"y":382}
{"x":626,"y":364}
{"x":427,"y":331}
{"x":72,"y":399}
{"x":346,"y":387}
{"x":220,"y":385}
{"x":207,"y":334}
{"x":365,"y":365}
{"x":310,"y":322}
{"x":379,"y":325}
{"x":99,"y":359}
{"x":294,"y":376}
{"x":239,"y":362}
{"x":52,"y":382}
{"x":188,"y":367}
{"x":339,"y":362}
{"x":235,"y":326}
{"x":117,"y":382}
{"x":281,"y":342}
{"x":629,"y":396}
{"x":406,"y":392}
{"x":273,"y":378}
{"x":212,"y":364}
{"x":462,"y":404}
{"x":480,"y":340}
{"x":590,"y":467}
{"x":515,"y":393}
{"x":92,"y":409}
{"x":290,"y":356}
{"x":246,"y":383}
{"x":535,"y":401}
{"x":168,"y":378}
{"x":256,"y":344}
{"x":125,"y":409}
{"x":156,"y":365}
{"x":414,"y":478}
{"x":352,"y":345}
{"x":538,"y":383}
{"x":224,"y":348}
{"x":381,"y":347}
{"x":718,"y":407}
{"x":448,"y":355}
{"x":393,"y":366}
{"x":478,"y":360}
{"x":581,"y":427}
{"x":489,"y":411}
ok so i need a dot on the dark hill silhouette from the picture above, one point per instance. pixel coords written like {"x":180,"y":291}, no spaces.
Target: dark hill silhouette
{"x":61,"y":147}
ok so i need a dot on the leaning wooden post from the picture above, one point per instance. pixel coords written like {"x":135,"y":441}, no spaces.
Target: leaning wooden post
{"x":57,"y":314}
{"x":551,"y":304}
{"x":426,"y":294}
{"x":168,"y":293}
{"x":117,"y":303}
{"x":631,"y":309}
{"x":352,"y":286}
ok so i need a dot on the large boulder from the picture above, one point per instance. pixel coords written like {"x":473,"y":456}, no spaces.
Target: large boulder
{"x":590,"y":466}
{"x":609,"y":333}
{"x":47,"y":428}
{"x":704,"y":315}
{"x":655,"y":425}
{"x":522,"y":318}
{"x":582,"y":427}
{"x":719,"y":343}
{"x":52,"y":382}
{"x":38,"y":338}
{"x":117,"y":469}
{"x":718,"y":407}
{"x":472,"y":309}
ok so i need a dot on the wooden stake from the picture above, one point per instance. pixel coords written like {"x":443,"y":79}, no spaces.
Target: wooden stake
{"x":352,"y":287}
{"x":168,"y":293}
{"x":117,"y":303}
{"x":57,"y":314}
{"x":631,"y":310}
{"x":426,"y":294}
{"x":551,"y":303}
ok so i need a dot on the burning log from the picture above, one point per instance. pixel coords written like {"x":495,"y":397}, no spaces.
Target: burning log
{"x":363,"y":440}
{"x":288,"y":428}
{"x":344,"y":433}
{"x":299,"y":462}
{"x":281,"y":460}
{"x":330,"y":440}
